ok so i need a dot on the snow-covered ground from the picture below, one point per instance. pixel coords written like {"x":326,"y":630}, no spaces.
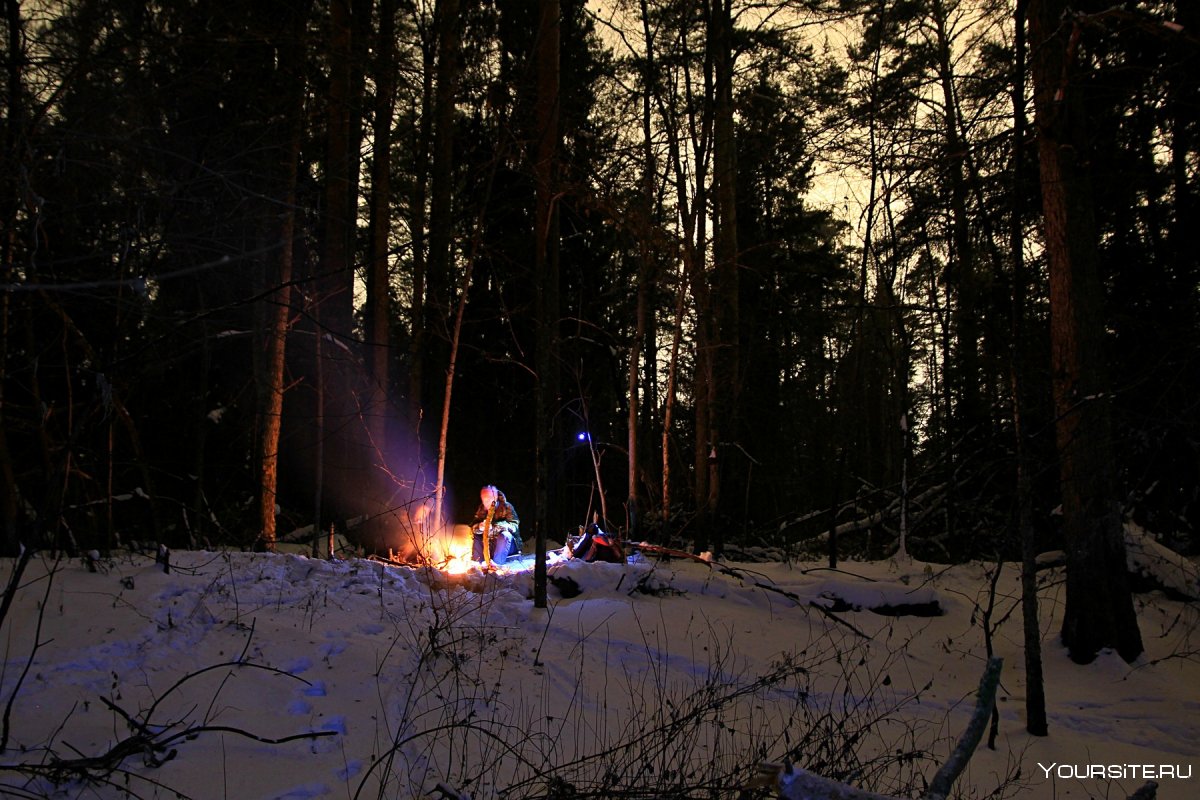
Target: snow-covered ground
{"x":656,"y":676}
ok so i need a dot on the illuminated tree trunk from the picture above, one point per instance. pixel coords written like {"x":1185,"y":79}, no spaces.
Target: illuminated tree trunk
{"x":271,"y":409}
{"x":440,"y":262}
{"x":1099,"y":606}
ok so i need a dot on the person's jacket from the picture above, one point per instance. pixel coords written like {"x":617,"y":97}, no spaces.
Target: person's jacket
{"x":505,"y":513}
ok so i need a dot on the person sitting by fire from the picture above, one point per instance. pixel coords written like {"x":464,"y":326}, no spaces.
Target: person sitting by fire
{"x":596,"y":545}
{"x":499,"y":518}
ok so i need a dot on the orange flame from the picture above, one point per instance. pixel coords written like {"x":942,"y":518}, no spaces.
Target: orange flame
{"x":448,"y":550}
{"x":457,"y":555}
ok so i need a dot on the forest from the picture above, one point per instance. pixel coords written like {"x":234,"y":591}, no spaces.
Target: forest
{"x":836,"y":277}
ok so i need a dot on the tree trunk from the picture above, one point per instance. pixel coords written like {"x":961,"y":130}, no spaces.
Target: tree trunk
{"x":546,"y":271}
{"x":704,"y":453}
{"x":447,"y":25}
{"x":417,"y":220}
{"x":645,"y":279}
{"x":337,"y":248}
{"x":440,"y":261}
{"x":271,"y":408}
{"x":1099,"y":607}
{"x":689,"y":175}
{"x":726,"y":361}
{"x":344,"y":460}
{"x":1185,"y":128}
{"x":319,"y":423}
{"x":1035,"y":693}
{"x":379,"y":310}
{"x":635,"y":347}
{"x":669,"y":403}
{"x":10,"y":158}
{"x":962,"y":278}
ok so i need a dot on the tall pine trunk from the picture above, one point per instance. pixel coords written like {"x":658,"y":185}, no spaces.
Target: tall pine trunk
{"x":417,"y":221}
{"x":546,"y":269}
{"x":10,"y":158}
{"x":1099,"y":606}
{"x":343,"y":460}
{"x":725,"y":345}
{"x":337,"y":245}
{"x":379,"y":307}
{"x":440,"y":261}
{"x":962,"y":268}
{"x":1035,"y":693}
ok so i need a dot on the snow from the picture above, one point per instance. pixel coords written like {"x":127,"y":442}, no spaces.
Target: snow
{"x":411,"y":682}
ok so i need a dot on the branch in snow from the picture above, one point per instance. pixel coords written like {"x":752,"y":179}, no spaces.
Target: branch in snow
{"x":798,"y":784}
{"x":939,"y":789}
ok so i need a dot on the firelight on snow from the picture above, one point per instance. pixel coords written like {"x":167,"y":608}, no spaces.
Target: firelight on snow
{"x":238,"y":674}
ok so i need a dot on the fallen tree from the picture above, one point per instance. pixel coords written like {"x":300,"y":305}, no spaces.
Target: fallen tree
{"x":1162,"y":567}
{"x":1150,"y":564}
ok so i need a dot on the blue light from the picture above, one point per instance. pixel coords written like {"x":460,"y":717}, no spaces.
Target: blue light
{"x":583,"y":436}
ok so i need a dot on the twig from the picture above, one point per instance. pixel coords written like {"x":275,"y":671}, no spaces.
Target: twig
{"x":212,"y":667}
{"x":241,"y":660}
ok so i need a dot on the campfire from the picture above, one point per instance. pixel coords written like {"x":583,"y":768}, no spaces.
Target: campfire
{"x":453,"y":550}
{"x":448,"y":551}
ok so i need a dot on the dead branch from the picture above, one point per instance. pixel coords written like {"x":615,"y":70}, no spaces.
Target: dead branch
{"x":156,"y":750}
{"x":985,"y":699}
{"x":10,"y":592}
